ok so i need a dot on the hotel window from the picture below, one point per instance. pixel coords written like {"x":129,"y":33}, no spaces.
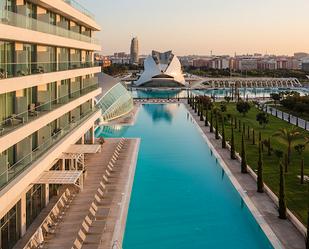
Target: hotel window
{"x":86,"y":31}
{"x":75,"y":58}
{"x":35,"y":202}
{"x":46,"y":59}
{"x":31,"y":10}
{"x":25,"y":58}
{"x":9,"y":5}
{"x":6,"y":59}
{"x":62,"y":22}
{"x":75,"y":27}
{"x":52,"y":18}
{"x":6,"y":107}
{"x":10,"y":228}
{"x":63,"y":58}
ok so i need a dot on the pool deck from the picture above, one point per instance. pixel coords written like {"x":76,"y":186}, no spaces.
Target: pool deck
{"x":262,"y":204}
{"x":116,"y":201}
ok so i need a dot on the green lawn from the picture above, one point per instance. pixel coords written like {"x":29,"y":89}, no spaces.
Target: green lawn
{"x":296,"y":193}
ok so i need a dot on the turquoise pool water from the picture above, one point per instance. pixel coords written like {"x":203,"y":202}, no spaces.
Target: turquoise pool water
{"x":244,"y":92}
{"x":182,"y":199}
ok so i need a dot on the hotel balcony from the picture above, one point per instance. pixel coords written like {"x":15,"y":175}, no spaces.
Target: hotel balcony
{"x":32,"y":31}
{"x":22,"y":21}
{"x":45,"y":105}
{"x":23,"y":173}
{"x":10,"y":70}
{"x":28,"y":156}
{"x":18,"y":76}
{"x":72,"y":10}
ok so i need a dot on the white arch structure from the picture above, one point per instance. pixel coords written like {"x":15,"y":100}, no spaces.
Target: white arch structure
{"x":245,"y":82}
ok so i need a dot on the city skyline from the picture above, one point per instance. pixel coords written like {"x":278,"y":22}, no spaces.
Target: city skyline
{"x":217,"y":26}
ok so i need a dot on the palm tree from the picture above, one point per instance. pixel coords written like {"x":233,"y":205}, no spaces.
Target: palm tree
{"x":260,"y":183}
{"x":217,"y":125}
{"x":244,"y":168}
{"x":233,"y":153}
{"x":223,"y":134}
{"x":289,"y":135}
{"x":211,"y":121}
{"x":201,"y":112}
{"x":300,"y":148}
{"x":282,"y":202}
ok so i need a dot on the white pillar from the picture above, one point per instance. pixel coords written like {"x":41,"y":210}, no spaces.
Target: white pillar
{"x":23,"y":215}
{"x":46,"y":194}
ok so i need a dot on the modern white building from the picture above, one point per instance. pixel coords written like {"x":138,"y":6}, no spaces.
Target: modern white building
{"x":48,"y":85}
{"x":161,"y":70}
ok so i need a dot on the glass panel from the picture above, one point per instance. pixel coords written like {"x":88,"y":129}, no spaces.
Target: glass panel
{"x":44,"y":98}
{"x":10,"y":228}
{"x":6,"y":59}
{"x":35,"y":202}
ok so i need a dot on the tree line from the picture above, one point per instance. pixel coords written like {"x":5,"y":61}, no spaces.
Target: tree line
{"x":211,"y":114}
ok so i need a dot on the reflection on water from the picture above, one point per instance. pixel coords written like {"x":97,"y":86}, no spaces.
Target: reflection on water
{"x":157,"y":112}
{"x":111,"y":131}
{"x":161,"y":112}
{"x":160,"y":94}
{"x":244,"y":92}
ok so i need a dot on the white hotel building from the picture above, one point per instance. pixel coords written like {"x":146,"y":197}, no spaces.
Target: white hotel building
{"x":48,"y":86}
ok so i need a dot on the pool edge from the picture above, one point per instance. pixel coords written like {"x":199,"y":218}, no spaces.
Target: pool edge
{"x":275,"y":242}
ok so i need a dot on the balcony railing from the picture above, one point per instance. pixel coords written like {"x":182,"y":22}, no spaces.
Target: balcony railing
{"x":37,"y":110}
{"x":10,"y":70}
{"x":80,"y":8}
{"x":21,"y":21}
{"x":17,"y":168}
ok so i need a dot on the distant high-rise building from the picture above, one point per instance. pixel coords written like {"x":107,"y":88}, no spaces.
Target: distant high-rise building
{"x":134,"y":51}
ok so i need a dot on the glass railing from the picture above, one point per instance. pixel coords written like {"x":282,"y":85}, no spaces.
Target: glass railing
{"x":21,"y":21}
{"x":14,"y":170}
{"x":9,"y":70}
{"x":35,"y":111}
{"x":80,"y":8}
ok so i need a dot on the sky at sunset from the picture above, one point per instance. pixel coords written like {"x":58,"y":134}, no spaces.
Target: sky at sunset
{"x":200,"y":26}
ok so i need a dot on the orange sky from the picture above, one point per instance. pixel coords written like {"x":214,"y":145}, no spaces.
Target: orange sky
{"x":199,"y":26}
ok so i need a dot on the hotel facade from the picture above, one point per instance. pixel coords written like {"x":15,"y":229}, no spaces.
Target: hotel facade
{"x":48,"y":85}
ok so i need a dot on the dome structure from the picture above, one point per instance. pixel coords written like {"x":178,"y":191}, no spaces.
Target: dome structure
{"x":161,"y":70}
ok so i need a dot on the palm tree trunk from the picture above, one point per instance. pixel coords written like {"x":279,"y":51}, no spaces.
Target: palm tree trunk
{"x":223,"y":134}
{"x":233,"y":153}
{"x":260,"y":183}
{"x":217,"y":127}
{"x":282,"y":203}
{"x":206,"y":117}
{"x":244,"y":168}
{"x":289,"y":153}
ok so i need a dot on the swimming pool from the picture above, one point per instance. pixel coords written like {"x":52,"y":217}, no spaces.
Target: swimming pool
{"x":181,"y":197}
{"x":244,"y":92}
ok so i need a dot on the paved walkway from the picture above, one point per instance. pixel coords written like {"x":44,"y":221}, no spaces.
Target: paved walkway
{"x":67,"y":230}
{"x":285,"y":231}
{"x":288,"y":118}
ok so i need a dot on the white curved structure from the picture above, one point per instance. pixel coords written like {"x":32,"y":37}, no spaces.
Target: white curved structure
{"x":161,"y":70}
